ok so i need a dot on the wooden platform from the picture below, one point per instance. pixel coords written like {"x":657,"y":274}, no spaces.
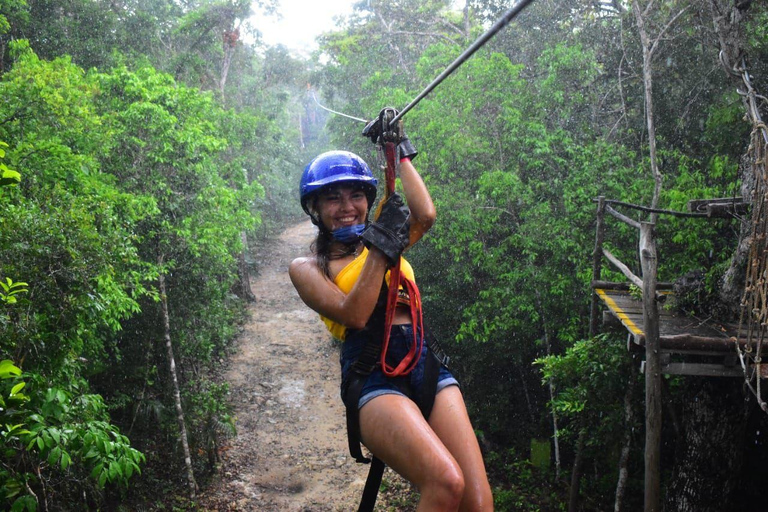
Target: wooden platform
{"x":689,"y":346}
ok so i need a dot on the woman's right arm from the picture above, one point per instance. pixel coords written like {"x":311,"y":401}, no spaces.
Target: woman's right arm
{"x":351,"y":309}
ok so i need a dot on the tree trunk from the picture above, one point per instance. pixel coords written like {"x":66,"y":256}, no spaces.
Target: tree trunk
{"x":709,"y":454}
{"x":242,"y":272}
{"x":230,"y":37}
{"x":726,"y":19}
{"x":653,"y":402}
{"x":573,"y":494}
{"x":648,"y":87}
{"x":175,"y":380}
{"x":548,"y":343}
{"x":555,"y":432}
{"x":629,"y":425}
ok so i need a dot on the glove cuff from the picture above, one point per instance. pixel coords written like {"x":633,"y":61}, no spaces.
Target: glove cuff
{"x":407,"y":149}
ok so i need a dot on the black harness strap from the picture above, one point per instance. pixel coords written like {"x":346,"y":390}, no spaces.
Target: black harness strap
{"x":372,"y":484}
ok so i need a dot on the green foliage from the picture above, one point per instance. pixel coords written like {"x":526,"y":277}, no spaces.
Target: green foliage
{"x":8,"y":177}
{"x":592,"y":377}
{"x":209,"y":411}
{"x":525,"y":487}
{"x":131,"y":161}
{"x":61,"y":431}
{"x":120,"y":167}
{"x":9,"y":289}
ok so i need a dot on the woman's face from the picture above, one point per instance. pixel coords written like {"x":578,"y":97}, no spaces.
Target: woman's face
{"x":342,"y":206}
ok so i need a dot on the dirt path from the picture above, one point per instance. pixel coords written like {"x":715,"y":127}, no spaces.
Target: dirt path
{"x":290,"y":453}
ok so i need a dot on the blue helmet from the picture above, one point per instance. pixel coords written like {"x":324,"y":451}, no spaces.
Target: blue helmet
{"x":335,"y":167}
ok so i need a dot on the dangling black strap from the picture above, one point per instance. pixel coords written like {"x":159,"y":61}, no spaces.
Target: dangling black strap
{"x":372,"y":484}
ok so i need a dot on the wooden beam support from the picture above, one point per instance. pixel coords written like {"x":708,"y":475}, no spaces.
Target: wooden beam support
{"x":597,"y":256}
{"x":689,"y":342}
{"x":623,"y":268}
{"x":723,"y":207}
{"x":623,"y":218}
{"x":702,"y":370}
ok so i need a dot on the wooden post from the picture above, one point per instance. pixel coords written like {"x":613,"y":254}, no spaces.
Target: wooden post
{"x":597,"y":256}
{"x":652,"y":369}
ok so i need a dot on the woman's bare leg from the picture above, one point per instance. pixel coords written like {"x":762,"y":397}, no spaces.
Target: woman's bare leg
{"x":393,"y":428}
{"x":450,"y":421}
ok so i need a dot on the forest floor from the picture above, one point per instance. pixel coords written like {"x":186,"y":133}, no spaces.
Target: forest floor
{"x":290,"y":453}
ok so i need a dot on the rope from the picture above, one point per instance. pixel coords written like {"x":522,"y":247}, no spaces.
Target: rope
{"x":754,"y":302}
{"x":396,"y":280}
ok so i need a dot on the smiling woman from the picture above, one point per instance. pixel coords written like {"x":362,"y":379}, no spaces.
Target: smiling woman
{"x":402,"y":401}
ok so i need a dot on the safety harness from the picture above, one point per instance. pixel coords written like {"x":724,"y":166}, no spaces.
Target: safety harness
{"x":374,"y":352}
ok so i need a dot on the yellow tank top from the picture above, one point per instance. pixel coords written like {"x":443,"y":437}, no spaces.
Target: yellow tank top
{"x":346,"y":279}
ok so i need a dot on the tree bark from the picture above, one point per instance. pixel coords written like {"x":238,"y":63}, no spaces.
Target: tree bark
{"x":573,"y":494}
{"x":726,"y":19}
{"x":175,"y":381}
{"x":653,"y":402}
{"x":548,"y":343}
{"x":242,"y":272}
{"x":705,"y":479}
{"x":629,"y":425}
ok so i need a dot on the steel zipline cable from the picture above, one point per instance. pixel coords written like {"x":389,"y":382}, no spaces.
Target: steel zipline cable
{"x":500,"y":24}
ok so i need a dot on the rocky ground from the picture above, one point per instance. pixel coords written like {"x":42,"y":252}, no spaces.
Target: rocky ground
{"x":290,"y":453}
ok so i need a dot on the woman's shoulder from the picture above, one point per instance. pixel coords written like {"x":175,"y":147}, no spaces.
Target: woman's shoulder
{"x":303,"y":264}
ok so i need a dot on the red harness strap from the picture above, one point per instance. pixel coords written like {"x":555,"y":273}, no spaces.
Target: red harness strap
{"x":396,"y":280}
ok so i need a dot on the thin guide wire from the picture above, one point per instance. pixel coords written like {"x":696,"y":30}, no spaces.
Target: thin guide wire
{"x":335,"y":112}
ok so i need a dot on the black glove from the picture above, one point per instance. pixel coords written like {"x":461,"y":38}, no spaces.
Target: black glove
{"x":406,"y":147}
{"x":390,"y":233}
{"x":379,"y":131}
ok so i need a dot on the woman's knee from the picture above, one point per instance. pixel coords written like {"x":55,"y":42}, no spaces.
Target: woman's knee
{"x":477,"y":500}
{"x":445,"y":488}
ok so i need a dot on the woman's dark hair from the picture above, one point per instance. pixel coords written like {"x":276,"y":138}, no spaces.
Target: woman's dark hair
{"x":321,"y":248}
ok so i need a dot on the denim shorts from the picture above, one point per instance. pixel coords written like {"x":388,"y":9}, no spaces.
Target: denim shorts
{"x":377,"y":383}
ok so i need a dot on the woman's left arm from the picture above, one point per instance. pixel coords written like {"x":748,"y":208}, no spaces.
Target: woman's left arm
{"x":423,"y":211}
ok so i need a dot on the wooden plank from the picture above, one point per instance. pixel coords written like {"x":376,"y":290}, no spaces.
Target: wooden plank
{"x":702,"y":334}
{"x":686,"y":342}
{"x":701,"y":369}
{"x":618,"y":312}
{"x":726,"y":211}
{"x":724,"y":207}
